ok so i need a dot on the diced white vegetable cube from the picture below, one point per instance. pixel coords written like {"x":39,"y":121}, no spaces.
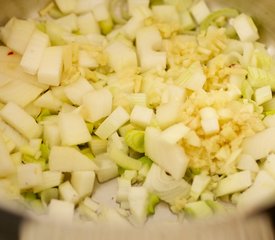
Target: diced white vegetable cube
{"x":199,"y":209}
{"x":141,"y":116}
{"x":13,"y":135}
{"x":61,"y":211}
{"x":123,"y":189}
{"x":263,"y":94}
{"x":187,"y":22}
{"x":193,"y":78}
{"x":200,"y":11}
{"x":138,"y":201}
{"x":101,"y":11}
{"x":66,"y":6}
{"x":259,"y":145}
{"x":168,"y":113}
{"x":29,"y":175}
{"x":98,"y":145}
{"x":15,"y":91}
{"x":6,"y":165}
{"x":76,"y":90}
{"x":199,"y":183}
{"x":51,"y":65}
{"x":20,"y":120}
{"x":173,"y":93}
{"x":73,"y":130}
{"x":148,"y":41}
{"x":114,"y":52}
{"x":19,"y":35}
{"x":48,"y":101}
{"x":68,"y":159}
{"x":112,"y":123}
{"x":245,"y":28}
{"x":210,"y":126}
{"x":50,"y":179}
{"x":234,"y":183}
{"x":166,"y":13}
{"x":134,"y":5}
{"x":51,"y":135}
{"x":94,"y":206}
{"x":159,"y":151}
{"x":68,"y":193}
{"x":68,"y":22}
{"x":260,"y":193}
{"x":175,"y":133}
{"x":247,"y":162}
{"x":107,"y":169}
{"x":97,"y":104}
{"x":83,"y":182}
{"x":208,"y":113}
{"x":86,"y":60}
{"x":34,"y":52}
{"x":85,"y":28}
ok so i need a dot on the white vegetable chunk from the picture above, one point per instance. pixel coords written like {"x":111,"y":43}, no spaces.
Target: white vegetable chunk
{"x":169,"y":157}
{"x":210,"y":126}
{"x":15,"y":91}
{"x":97,"y":104}
{"x":199,"y":184}
{"x":166,"y":13}
{"x":138,"y":201}
{"x":167,"y":114}
{"x":260,"y":193}
{"x":13,"y":135}
{"x":107,"y":169}
{"x":175,"y":133}
{"x":234,"y":183}
{"x":34,"y":52}
{"x":61,"y":211}
{"x":148,"y":41}
{"x":20,"y":120}
{"x":263,"y":94}
{"x":68,"y":22}
{"x":73,"y":130}
{"x":114,"y":52}
{"x":86,"y":60}
{"x":260,"y":144}
{"x":85,"y":28}
{"x":134,"y":5}
{"x":66,"y":6}
{"x":141,"y":116}
{"x":68,"y":193}
{"x":83,"y":182}
{"x":29,"y":175}
{"x":200,"y":11}
{"x":247,"y":162}
{"x":48,"y":101}
{"x":112,"y":123}
{"x":7,"y":167}
{"x":245,"y":28}
{"x":51,"y":135}
{"x":76,"y":90}
{"x":68,"y":159}
{"x":19,"y":35}
{"x":50,"y":179}
{"x":51,"y":65}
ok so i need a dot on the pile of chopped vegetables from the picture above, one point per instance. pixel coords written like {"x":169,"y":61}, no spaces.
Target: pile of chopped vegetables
{"x":170,"y":99}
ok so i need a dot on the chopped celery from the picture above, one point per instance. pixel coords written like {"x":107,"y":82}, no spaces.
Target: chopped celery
{"x":146,"y":161}
{"x":30,"y":159}
{"x":211,"y":18}
{"x":247,"y":90}
{"x":90,"y":127}
{"x":45,"y":151}
{"x":135,"y":140}
{"x":106,"y":26}
{"x":199,"y":209}
{"x":124,"y":161}
{"x":48,"y":194}
{"x":153,"y":201}
{"x":88,"y":153}
{"x":43,"y":114}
